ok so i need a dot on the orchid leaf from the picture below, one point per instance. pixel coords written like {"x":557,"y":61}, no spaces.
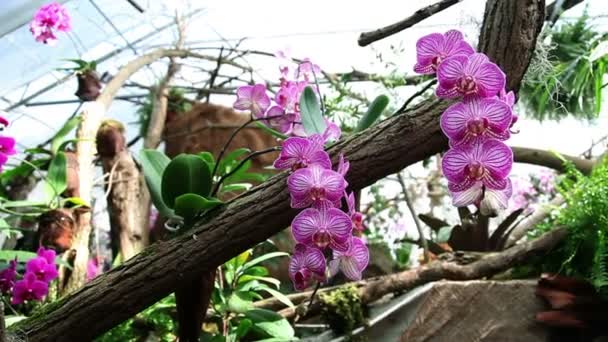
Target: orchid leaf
{"x":310,"y":109}
{"x":375,"y":110}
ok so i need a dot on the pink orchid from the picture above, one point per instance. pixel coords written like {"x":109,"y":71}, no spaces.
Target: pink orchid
{"x":298,"y":153}
{"x":7,"y":277}
{"x":43,"y":266}
{"x":475,"y":120}
{"x":306,"y":264}
{"x":50,"y":17}
{"x":433,"y":49}
{"x":252,"y":98}
{"x":351,"y":262}
{"x":472,"y":75}
{"x":322,"y":228}
{"x":355,"y":216}
{"x":489,"y":162}
{"x":29,"y":288}
{"x":314,"y":185}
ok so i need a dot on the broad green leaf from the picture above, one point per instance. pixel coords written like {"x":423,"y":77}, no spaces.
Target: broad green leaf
{"x":243,"y":328}
{"x":259,"y":271}
{"x":376,"y":108}
{"x":236,"y":187}
{"x":270,"y":323}
{"x":237,"y":303}
{"x":443,"y":235}
{"x":599,"y":78}
{"x":63,"y":132}
{"x":154,"y":163}
{"x":189,"y":205}
{"x":12,"y":319}
{"x":209,"y":159}
{"x":246,"y":277}
{"x":264,"y":258}
{"x":56,"y":178}
{"x":185,"y":174}
{"x":278,"y":295}
{"x":310,"y":110}
{"x":271,"y":131}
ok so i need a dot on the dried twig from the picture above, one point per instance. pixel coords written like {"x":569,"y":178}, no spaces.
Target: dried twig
{"x":367,"y":38}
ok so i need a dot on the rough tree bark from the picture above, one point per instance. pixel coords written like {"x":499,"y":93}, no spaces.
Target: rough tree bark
{"x":126,"y":189}
{"x":386,"y":148}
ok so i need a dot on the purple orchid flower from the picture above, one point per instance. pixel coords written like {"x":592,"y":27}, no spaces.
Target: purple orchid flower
{"x":299,"y":153}
{"x":475,"y":120}
{"x":472,"y":75}
{"x":308,"y":69}
{"x":488,"y":200}
{"x":306,"y":264}
{"x":332,"y":132}
{"x":509,"y":100}
{"x":43,"y":266}
{"x":433,"y":49}
{"x":314,"y":185}
{"x":351,"y":262}
{"x":29,"y":288}
{"x":489,"y":162}
{"x":7,"y":277}
{"x":321,"y":228}
{"x":49,"y":17}
{"x":355,"y":216}
{"x":3,"y":121}
{"x":252,"y":98}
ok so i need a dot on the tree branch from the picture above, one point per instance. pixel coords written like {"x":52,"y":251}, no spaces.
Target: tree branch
{"x":367,"y":38}
{"x":488,"y":265}
{"x":551,"y":160}
{"x":384,"y":149}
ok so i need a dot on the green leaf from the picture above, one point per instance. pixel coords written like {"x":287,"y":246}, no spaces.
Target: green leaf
{"x":236,"y":187}
{"x":189,"y":205}
{"x":12,"y":319}
{"x":278,"y":295}
{"x":209,"y":159}
{"x":246,"y":277}
{"x":258,"y":271}
{"x":21,"y":204}
{"x":443,"y":235}
{"x":376,"y":108}
{"x":154,"y":163}
{"x":63,"y":132}
{"x":271,"y":131}
{"x":56,"y":179}
{"x":238,"y":303}
{"x":310,"y":110}
{"x":76,"y":201}
{"x":264,"y":258}
{"x":599,"y":78}
{"x":270,"y":323}
{"x":185,"y":174}
{"x":243,"y":328}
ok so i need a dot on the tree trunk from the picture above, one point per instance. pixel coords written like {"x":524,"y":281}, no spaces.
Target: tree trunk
{"x":384,"y":149}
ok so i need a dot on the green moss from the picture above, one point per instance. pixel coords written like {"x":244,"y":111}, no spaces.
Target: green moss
{"x":342,"y":309}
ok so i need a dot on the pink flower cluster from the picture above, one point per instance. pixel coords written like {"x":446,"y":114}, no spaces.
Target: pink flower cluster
{"x":478,"y":163}
{"x":283,"y":112}
{"x":7,"y":144}
{"x":52,"y":16}
{"x":322,"y":226}
{"x":34,"y":285}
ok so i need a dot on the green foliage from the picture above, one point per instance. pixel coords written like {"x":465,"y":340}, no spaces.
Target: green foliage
{"x":232,"y":300}
{"x":153,"y":164}
{"x":584,"y":252}
{"x":569,"y":79}
{"x":58,"y":139}
{"x":342,"y":309}
{"x":375,"y":110}
{"x":185,"y":174}
{"x":155,"y":323}
{"x":81,"y":66}
{"x":310,"y":109}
